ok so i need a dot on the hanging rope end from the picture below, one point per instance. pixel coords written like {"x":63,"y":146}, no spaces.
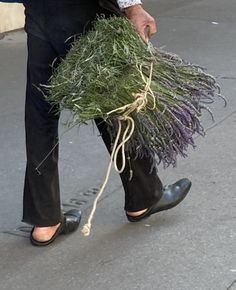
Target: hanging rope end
{"x":86,"y":230}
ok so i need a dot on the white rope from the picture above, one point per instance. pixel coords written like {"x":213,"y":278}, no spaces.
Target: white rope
{"x":116,"y":148}
{"x":139,"y":104}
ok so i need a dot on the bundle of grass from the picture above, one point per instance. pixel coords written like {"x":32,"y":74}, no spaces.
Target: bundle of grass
{"x":151,"y":99}
{"x":112,"y":74}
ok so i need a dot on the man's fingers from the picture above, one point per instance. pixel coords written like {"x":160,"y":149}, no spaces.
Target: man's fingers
{"x":152,"y":28}
{"x":144,"y":23}
{"x":147,"y":32}
{"x":143,"y":35}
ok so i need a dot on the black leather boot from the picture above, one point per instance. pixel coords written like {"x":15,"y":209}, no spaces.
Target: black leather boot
{"x":172,"y":195}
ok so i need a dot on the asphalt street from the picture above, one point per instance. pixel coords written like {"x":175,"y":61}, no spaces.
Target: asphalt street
{"x":191,"y":247}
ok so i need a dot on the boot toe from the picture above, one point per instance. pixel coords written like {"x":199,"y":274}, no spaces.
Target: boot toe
{"x":172,"y":195}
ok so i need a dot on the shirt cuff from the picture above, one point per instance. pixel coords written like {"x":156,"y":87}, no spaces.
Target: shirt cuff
{"x":127,"y":3}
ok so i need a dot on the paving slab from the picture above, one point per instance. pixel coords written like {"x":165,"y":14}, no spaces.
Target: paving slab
{"x":190,"y":247}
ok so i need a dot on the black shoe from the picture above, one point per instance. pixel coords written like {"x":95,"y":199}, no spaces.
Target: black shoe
{"x":172,"y":195}
{"x":69,"y":224}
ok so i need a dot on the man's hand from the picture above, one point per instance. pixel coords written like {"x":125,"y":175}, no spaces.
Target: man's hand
{"x":144,"y":23}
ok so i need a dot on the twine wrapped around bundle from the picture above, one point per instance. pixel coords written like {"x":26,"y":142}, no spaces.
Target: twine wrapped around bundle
{"x":111,"y":73}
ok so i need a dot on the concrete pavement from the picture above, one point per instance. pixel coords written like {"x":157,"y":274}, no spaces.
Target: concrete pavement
{"x":192,"y":247}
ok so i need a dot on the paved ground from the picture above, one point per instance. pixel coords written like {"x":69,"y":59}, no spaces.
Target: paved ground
{"x":192,"y":247}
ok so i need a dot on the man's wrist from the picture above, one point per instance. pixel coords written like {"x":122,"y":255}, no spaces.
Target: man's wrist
{"x":132,"y":9}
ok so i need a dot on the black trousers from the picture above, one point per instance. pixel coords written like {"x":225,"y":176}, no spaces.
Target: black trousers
{"x":49,"y":24}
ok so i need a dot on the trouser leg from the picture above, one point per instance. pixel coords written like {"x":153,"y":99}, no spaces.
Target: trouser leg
{"x":41,"y":204}
{"x":55,"y":22}
{"x":145,"y":187}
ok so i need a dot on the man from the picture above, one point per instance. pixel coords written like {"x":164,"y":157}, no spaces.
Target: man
{"x":49,"y":26}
